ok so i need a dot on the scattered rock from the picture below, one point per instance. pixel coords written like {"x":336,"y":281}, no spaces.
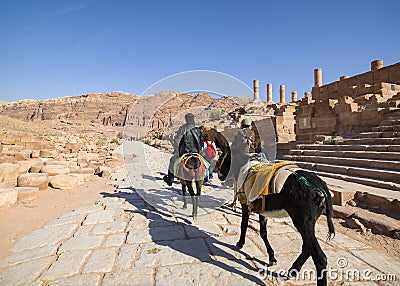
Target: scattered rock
{"x":355,"y":223}
{"x":103,"y":171}
{"x":352,"y":203}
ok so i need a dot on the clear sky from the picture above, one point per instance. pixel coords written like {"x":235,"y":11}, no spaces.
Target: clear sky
{"x":59,"y":48}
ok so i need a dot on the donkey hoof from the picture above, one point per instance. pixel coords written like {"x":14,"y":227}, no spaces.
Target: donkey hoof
{"x":239,"y":245}
{"x":293,"y":273}
{"x":272,"y":262}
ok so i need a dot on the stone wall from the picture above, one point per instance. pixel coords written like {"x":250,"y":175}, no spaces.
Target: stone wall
{"x":384,"y":81}
{"x":351,"y":105}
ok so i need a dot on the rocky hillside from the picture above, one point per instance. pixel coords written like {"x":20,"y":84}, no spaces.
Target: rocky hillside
{"x":108,"y":109}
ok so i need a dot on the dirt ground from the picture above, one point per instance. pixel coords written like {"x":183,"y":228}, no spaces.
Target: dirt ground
{"x":30,"y":214}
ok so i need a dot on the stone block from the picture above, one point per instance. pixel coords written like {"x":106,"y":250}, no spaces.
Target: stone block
{"x":71,"y":148}
{"x":36,"y":168}
{"x":35,"y":153}
{"x":101,"y":260}
{"x":54,"y":170}
{"x":26,"y":165}
{"x":1,"y":147}
{"x":27,"y":193}
{"x":56,"y":162}
{"x":83,"y":242}
{"x":48,"y":154}
{"x":8,"y":172}
{"x":30,"y":269}
{"x":341,"y":197}
{"x":68,"y":264}
{"x":38,"y":180}
{"x":86,"y":171}
{"x":64,"y":182}
{"x":8,"y":159}
{"x":8,"y":197}
{"x":34,"y":146}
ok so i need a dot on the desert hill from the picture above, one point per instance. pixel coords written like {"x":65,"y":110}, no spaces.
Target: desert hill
{"x":108,"y":112}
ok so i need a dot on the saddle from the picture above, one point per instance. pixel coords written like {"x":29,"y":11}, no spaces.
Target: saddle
{"x":184,"y":169}
{"x":258,"y":179}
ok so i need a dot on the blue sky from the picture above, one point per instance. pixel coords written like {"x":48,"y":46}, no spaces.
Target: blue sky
{"x":59,"y":48}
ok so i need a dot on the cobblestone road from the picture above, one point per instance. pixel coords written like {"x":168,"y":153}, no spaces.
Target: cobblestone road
{"x":126,"y":240}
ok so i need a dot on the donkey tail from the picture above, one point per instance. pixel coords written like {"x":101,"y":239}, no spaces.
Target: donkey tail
{"x":329,"y":213}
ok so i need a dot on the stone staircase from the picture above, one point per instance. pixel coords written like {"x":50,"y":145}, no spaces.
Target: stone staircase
{"x":372,"y":158}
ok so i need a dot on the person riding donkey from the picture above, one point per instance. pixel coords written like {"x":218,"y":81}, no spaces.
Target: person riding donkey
{"x":187,"y":164}
{"x":188,"y":139}
{"x":247,"y":143}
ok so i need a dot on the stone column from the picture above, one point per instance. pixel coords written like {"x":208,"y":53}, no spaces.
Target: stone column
{"x":294,"y":96}
{"x":306,"y":94}
{"x":255,"y":88}
{"x":282,"y":93}
{"x":377,"y":64}
{"x":269,"y":92}
{"x":318,"y":77}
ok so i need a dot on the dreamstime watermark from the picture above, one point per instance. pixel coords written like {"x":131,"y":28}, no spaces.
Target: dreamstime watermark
{"x":340,"y":273}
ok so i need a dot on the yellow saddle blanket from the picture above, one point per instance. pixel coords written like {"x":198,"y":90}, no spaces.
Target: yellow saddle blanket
{"x":257,"y":180}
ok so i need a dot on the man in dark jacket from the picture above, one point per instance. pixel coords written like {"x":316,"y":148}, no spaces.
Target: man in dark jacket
{"x":188,"y":139}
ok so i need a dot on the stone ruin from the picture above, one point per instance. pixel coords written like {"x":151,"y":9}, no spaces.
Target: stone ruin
{"x":347,"y":129}
{"x":30,"y":163}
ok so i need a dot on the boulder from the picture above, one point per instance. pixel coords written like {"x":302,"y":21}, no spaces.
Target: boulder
{"x":103,"y":171}
{"x":8,"y":172}
{"x":38,"y":180}
{"x":54,"y":170}
{"x":8,"y":197}
{"x":64,"y":182}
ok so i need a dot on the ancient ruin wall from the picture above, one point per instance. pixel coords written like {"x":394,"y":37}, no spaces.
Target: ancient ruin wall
{"x":374,"y":81}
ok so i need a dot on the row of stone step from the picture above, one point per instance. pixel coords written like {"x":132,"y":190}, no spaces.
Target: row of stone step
{"x":372,"y":158}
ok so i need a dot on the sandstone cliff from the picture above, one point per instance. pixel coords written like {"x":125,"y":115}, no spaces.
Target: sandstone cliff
{"x":108,"y":108}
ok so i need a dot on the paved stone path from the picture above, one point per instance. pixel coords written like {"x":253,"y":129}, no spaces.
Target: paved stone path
{"x":124,"y":240}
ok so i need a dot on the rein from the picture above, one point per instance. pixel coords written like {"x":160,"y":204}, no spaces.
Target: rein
{"x":308,"y":184}
{"x":223,"y":159}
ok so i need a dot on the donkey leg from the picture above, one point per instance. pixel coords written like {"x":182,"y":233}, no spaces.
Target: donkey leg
{"x":264,"y":236}
{"x":296,"y":266}
{"x":311,"y":248}
{"x":184,"y":196}
{"x":319,"y":259}
{"x":243,"y":226}
{"x":194,"y":202}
